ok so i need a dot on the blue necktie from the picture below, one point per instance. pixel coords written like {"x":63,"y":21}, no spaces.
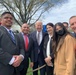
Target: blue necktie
{"x":12,"y":36}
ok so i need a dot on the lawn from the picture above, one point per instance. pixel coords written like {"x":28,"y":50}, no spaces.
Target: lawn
{"x":30,"y":69}
{"x":31,"y":73}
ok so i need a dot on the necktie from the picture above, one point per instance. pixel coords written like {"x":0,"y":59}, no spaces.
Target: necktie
{"x":12,"y":36}
{"x":38,"y":38}
{"x":26,"y":42}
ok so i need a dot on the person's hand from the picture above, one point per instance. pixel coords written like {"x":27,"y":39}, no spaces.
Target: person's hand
{"x":31,"y":64}
{"x":48,"y":59}
{"x":18,"y":60}
{"x":50,"y":64}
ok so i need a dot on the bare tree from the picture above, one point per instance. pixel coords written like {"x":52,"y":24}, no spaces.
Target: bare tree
{"x":29,"y":11}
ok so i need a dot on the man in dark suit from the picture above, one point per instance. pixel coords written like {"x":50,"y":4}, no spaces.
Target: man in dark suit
{"x":10,"y":55}
{"x":28,"y":51}
{"x":37,"y":37}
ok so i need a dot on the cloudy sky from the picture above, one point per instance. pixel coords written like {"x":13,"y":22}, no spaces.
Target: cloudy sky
{"x":62,"y":13}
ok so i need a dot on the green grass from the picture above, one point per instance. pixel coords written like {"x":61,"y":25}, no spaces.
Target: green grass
{"x":30,"y":69}
{"x":31,"y":73}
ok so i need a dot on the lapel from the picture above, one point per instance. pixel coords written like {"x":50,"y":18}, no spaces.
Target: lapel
{"x":47,"y":39}
{"x":51,"y":45}
{"x":42,"y":37}
{"x":29,"y":39}
{"x":8,"y":34}
{"x":22,"y":39}
{"x":35,"y":37}
{"x":46,"y":42}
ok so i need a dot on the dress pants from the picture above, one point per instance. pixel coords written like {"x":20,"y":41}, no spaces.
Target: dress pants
{"x":25,"y":65}
{"x":39,"y":63}
{"x":49,"y":70}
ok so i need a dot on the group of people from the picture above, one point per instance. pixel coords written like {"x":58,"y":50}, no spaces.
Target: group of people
{"x":56,"y":48}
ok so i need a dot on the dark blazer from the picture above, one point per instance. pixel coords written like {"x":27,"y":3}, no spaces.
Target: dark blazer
{"x":46,"y":39}
{"x":7,"y":50}
{"x":38,"y":53}
{"x":36,"y":46}
{"x":49,"y":69}
{"x":29,"y":53}
{"x":73,"y":34}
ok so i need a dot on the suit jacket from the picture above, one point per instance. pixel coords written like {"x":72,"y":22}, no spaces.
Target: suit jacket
{"x":36,"y":46}
{"x":46,"y":39}
{"x":29,"y":52}
{"x":73,"y":34}
{"x":7,"y":50}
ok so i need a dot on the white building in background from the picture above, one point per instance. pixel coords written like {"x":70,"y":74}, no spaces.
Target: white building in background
{"x":16,"y":27}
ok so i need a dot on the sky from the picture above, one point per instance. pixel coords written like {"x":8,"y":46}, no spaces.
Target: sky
{"x":61,"y":13}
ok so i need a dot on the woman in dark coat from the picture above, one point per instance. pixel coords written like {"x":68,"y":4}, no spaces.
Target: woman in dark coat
{"x":47,"y":51}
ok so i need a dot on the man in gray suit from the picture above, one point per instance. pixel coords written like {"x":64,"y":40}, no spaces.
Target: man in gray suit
{"x":10,"y":54}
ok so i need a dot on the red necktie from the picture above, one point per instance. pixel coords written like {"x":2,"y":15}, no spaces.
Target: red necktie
{"x":26,"y":42}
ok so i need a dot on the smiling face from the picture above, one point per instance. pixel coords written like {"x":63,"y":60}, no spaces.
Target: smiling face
{"x":49,"y":29}
{"x":72,"y":22}
{"x":7,"y":20}
{"x":25,"y":28}
{"x":38,"y":26}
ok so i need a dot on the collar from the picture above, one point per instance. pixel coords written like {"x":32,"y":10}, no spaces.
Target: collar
{"x":7,"y":29}
{"x":39,"y":32}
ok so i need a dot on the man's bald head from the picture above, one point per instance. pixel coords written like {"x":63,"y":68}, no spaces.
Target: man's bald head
{"x":72,"y":22}
{"x":25,"y":28}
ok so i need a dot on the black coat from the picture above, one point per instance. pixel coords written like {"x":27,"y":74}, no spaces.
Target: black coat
{"x":46,"y":39}
{"x":28,"y":54}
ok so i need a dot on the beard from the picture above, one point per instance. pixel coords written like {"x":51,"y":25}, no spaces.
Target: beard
{"x":8,"y":25}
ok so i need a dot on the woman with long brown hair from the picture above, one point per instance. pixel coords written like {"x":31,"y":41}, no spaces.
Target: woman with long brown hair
{"x":63,"y":46}
{"x":48,"y":51}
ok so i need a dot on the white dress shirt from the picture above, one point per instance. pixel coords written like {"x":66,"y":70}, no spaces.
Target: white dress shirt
{"x":48,"y":47}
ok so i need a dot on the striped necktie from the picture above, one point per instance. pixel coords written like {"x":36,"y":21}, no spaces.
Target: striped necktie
{"x":12,"y":36}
